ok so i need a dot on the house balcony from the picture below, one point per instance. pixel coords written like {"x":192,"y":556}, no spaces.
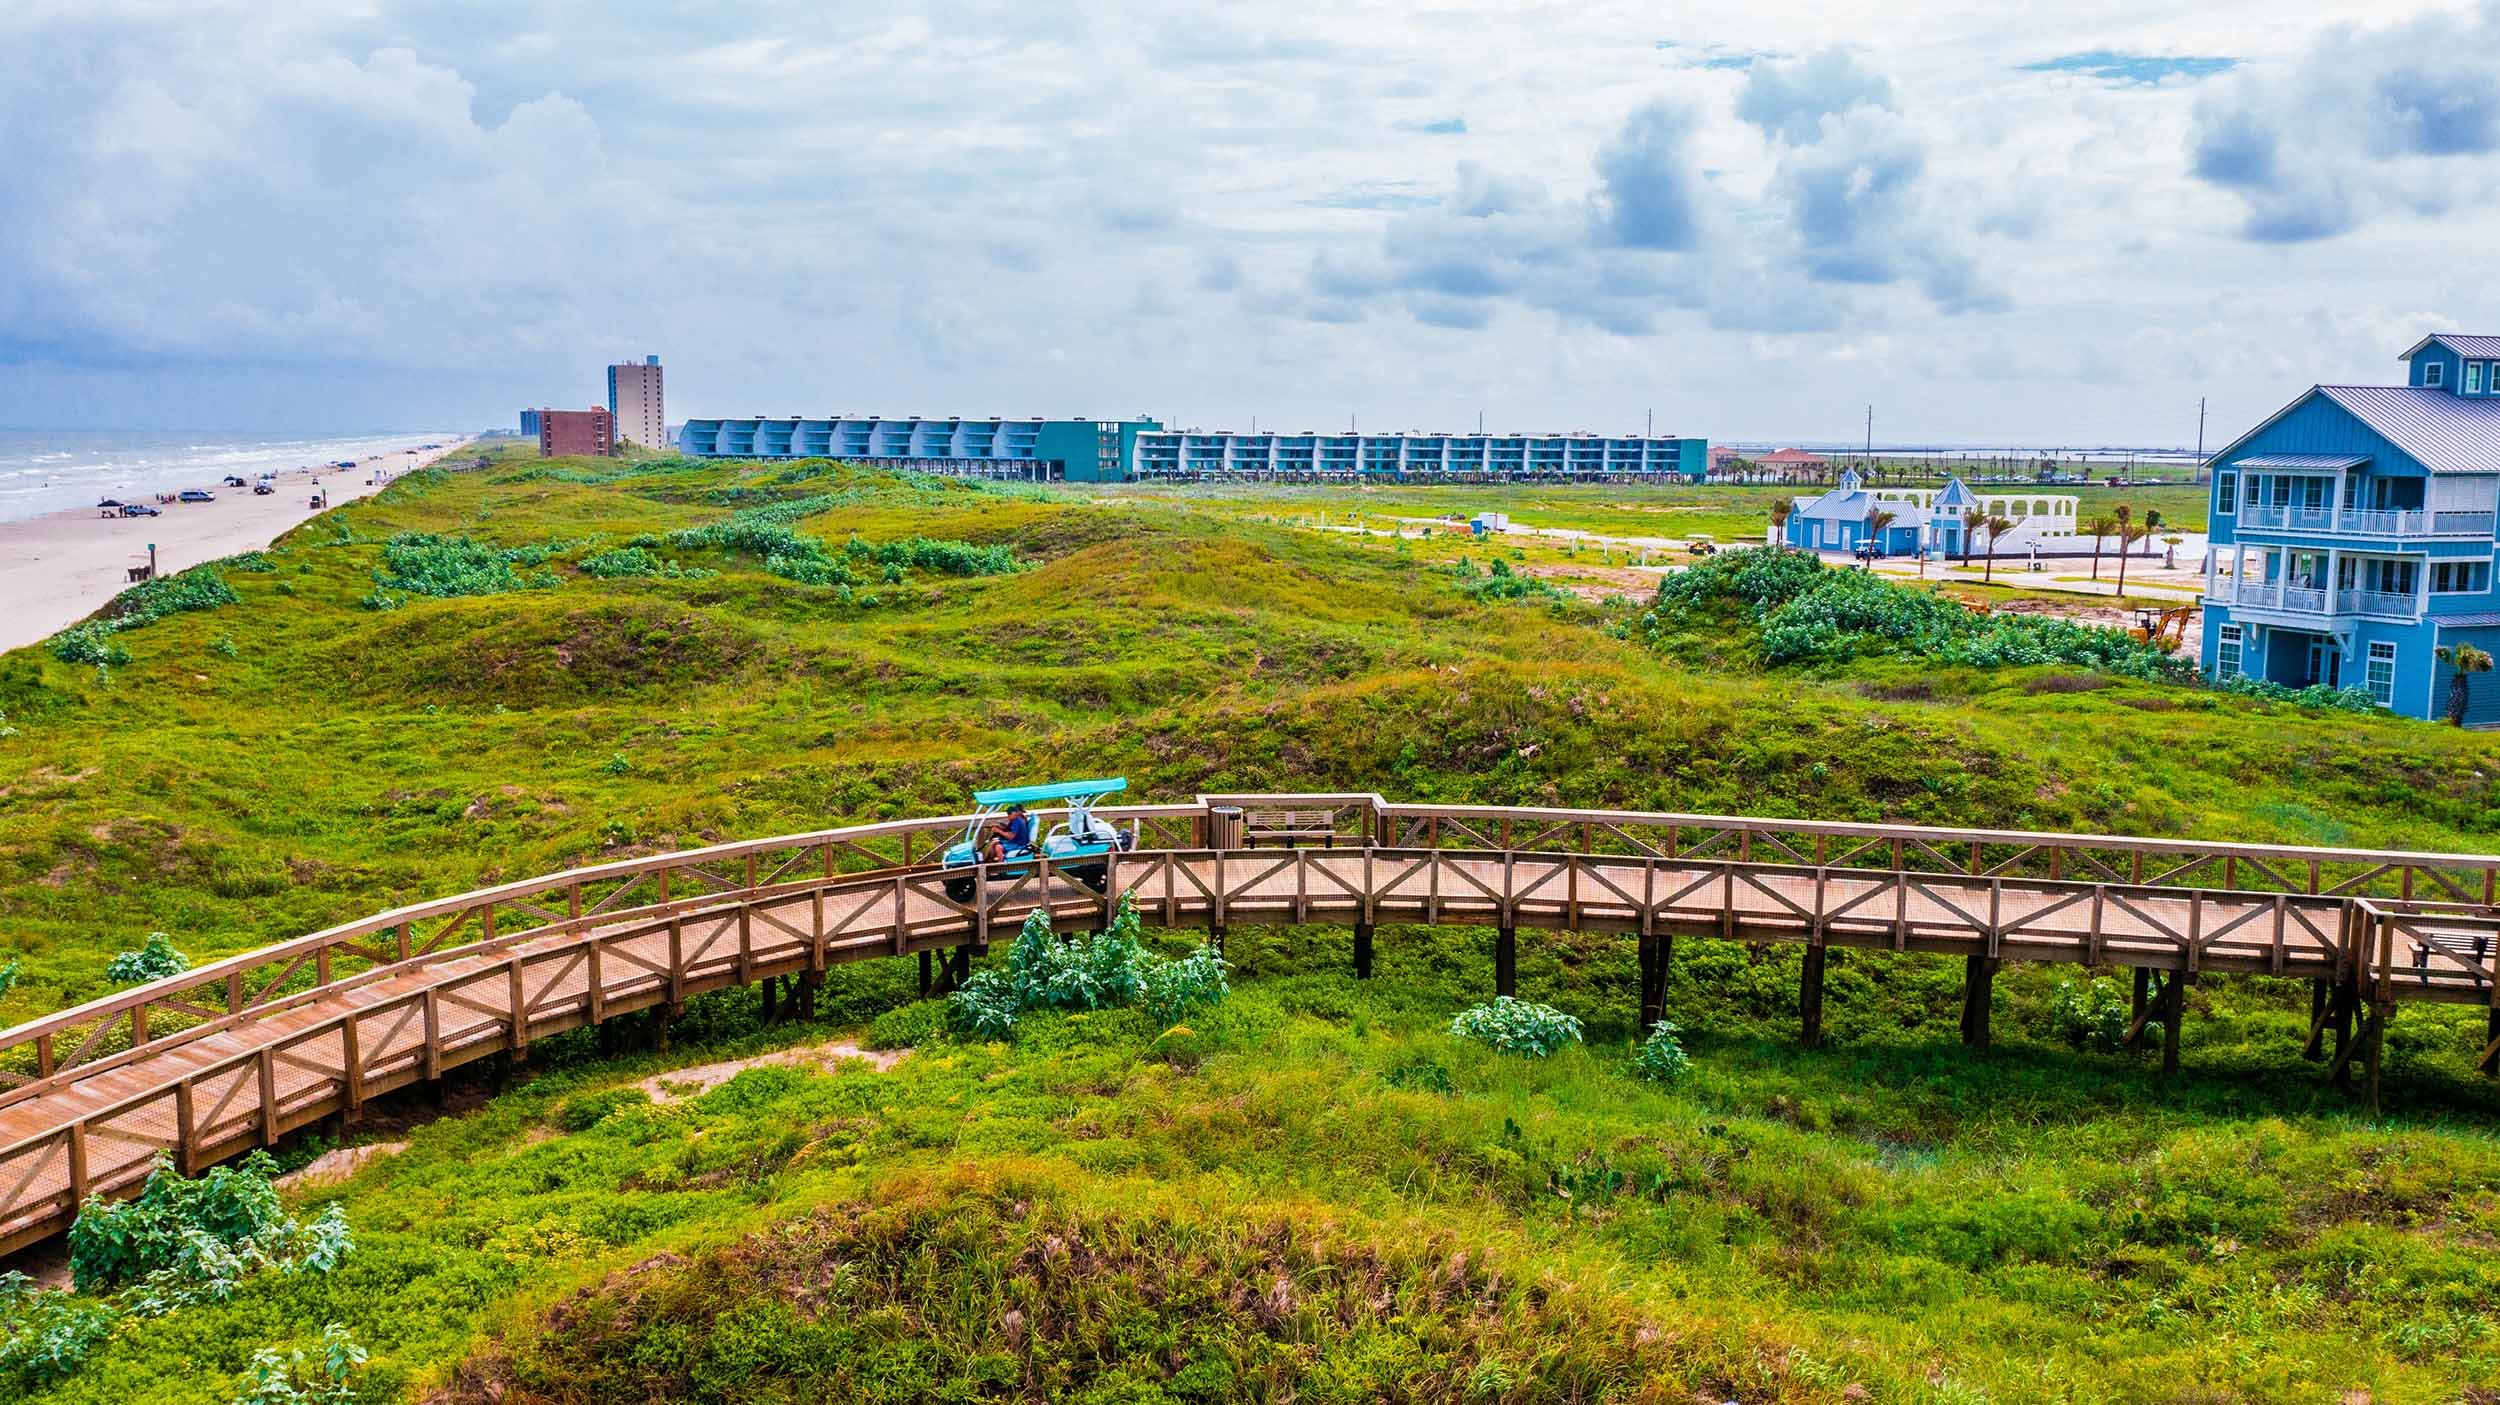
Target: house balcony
{"x":2365,"y":522}
{"x":2311,"y":600}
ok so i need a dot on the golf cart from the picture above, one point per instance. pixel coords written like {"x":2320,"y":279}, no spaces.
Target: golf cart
{"x":1068,"y":845}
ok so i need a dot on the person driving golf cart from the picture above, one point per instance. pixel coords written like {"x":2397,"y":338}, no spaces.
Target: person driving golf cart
{"x":1011,"y":833}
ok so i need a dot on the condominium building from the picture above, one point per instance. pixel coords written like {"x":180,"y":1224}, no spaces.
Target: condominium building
{"x":562,"y":432}
{"x":2353,"y":536}
{"x":635,"y":400}
{"x":1074,"y":450}
{"x":1219,"y":454}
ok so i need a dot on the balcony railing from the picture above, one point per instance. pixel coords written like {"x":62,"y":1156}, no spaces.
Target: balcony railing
{"x":2311,"y":600}
{"x":2367,"y":522}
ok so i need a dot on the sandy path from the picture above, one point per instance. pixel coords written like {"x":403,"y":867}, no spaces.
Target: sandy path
{"x":57,"y":569}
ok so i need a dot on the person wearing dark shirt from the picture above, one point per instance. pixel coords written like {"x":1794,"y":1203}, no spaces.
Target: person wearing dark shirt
{"x":1013,"y":832}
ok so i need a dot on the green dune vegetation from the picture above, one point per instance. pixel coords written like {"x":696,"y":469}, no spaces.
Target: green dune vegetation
{"x":1313,"y":1188}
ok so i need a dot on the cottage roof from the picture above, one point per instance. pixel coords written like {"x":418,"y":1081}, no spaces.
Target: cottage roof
{"x":2444,"y":433}
{"x":2311,"y":461}
{"x":2458,"y":342}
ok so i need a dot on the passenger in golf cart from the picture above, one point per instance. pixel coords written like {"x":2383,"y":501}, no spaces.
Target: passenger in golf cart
{"x":1000,"y":833}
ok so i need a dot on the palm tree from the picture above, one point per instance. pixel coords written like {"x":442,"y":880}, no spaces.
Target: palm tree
{"x":2099,"y":527}
{"x":2466,"y":660}
{"x":1876,"y":522}
{"x":2126,"y":534}
{"x":1780,"y":513}
{"x":1972,"y":521}
{"x":1995,"y":524}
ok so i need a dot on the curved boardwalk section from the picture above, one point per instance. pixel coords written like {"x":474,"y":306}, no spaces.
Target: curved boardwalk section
{"x":236,"y":1054}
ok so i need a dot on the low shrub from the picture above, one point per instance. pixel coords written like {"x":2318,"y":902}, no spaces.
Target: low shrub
{"x":290,"y":1379}
{"x":588,"y":1110}
{"x":2091,"y":1014}
{"x":1516,"y":1026}
{"x":1109,"y":968}
{"x":1660,"y":1058}
{"x":184,"y":1240}
{"x":634,"y":562}
{"x":427,"y":563}
{"x":200,"y":588}
{"x":153,"y":961}
{"x":45,"y":1335}
{"x":1500,"y":584}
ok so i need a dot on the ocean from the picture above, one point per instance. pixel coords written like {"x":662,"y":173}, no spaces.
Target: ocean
{"x":46,"y":470}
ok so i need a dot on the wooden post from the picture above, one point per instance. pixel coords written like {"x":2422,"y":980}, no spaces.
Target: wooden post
{"x":1978,"y":998}
{"x":2321,"y":994}
{"x":2491,"y":1036}
{"x":1657,"y":949}
{"x":2374,"y":1047}
{"x":268,"y":1071}
{"x":925,"y":976}
{"x":808,"y":982}
{"x":186,"y":1129}
{"x":1810,"y":997}
{"x":772,"y":989}
{"x":666,"y":1015}
{"x":2143,"y":995}
{"x":2173,"y":1014}
{"x":77,"y":1163}
{"x":1363,"y":954}
{"x":2347,"y":998}
{"x":1505,"y":961}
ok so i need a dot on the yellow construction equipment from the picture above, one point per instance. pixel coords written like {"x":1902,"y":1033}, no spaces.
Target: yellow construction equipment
{"x":2166,"y":629}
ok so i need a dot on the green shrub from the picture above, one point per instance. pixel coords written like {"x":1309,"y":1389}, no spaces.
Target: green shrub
{"x":1177,"y":989}
{"x":637,"y":562}
{"x":1516,"y":1026}
{"x":199,"y":588}
{"x":290,"y":1379}
{"x":45,"y":1334}
{"x":152,"y":962}
{"x":223,"y":647}
{"x":8,"y":977}
{"x":427,"y":563}
{"x":2316,"y":695}
{"x":252,"y":561}
{"x":1661,"y":1058}
{"x":588,"y":1110}
{"x":2090,"y":1015}
{"x":89,"y":643}
{"x":1502,"y":584}
{"x":1109,"y":968}
{"x":184,"y":1240}
{"x":618,"y":764}
{"x":945,"y":558}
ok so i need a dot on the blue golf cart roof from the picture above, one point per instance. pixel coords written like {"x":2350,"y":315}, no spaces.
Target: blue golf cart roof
{"x":1064,"y":790}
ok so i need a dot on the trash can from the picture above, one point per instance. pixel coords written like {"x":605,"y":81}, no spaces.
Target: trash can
{"x":1224,"y":827}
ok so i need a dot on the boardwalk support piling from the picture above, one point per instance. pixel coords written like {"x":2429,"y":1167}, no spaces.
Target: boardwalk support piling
{"x":2321,"y":999}
{"x":926,"y":978}
{"x":1656,"y":949}
{"x":2173,"y":1014}
{"x":1978,"y":994}
{"x":1505,"y":961}
{"x":1810,"y":997}
{"x":1362,"y":951}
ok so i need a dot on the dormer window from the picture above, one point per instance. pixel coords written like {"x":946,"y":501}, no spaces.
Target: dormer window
{"x":2431,"y":372}
{"x":2473,"y":377}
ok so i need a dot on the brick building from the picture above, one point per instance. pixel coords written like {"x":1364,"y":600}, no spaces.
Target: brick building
{"x":589,"y":432}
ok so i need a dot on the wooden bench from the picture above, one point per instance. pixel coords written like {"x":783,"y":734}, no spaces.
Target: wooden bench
{"x":1289,"y":826}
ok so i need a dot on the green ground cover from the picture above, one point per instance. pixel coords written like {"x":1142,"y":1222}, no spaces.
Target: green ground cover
{"x":1892,"y":1213}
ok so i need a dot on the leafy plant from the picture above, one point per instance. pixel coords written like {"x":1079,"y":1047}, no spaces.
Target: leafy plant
{"x":153,"y":961}
{"x":427,"y":563}
{"x":1516,"y":1026}
{"x":45,"y":1334}
{"x":1660,"y":1058}
{"x":1177,"y":989}
{"x":187,"y":1240}
{"x":1108,"y":968}
{"x":1500,"y":583}
{"x":8,"y":977}
{"x":626,"y":562}
{"x":291,"y":1379}
{"x":2090,"y":1014}
{"x":618,"y":764}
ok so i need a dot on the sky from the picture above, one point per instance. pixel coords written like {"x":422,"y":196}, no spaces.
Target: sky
{"x":1748,"y":221}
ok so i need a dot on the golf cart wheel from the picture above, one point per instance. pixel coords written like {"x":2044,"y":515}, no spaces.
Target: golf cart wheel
{"x":960,"y":889}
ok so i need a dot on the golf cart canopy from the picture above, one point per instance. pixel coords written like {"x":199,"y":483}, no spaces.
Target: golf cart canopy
{"x":1065,"y":790}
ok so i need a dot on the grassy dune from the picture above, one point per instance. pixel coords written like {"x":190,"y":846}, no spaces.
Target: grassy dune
{"x":1106,"y":1210}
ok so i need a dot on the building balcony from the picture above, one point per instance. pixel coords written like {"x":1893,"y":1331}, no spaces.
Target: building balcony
{"x":2311,"y":600}
{"x":2365,"y":522}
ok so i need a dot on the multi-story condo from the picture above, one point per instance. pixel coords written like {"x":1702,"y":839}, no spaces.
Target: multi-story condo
{"x":1221,"y":453}
{"x":1076,"y":450}
{"x":635,"y":400}
{"x":2353,"y":535}
{"x":1934,"y":521}
{"x":591,"y":431}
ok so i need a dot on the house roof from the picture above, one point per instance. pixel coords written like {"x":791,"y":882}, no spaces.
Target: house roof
{"x":2483,"y":619}
{"x":2444,"y":433}
{"x":1790,"y":456}
{"x":2457,"y":342}
{"x":2328,"y":461}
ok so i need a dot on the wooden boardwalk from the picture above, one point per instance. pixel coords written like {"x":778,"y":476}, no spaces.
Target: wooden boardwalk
{"x":238,"y":1053}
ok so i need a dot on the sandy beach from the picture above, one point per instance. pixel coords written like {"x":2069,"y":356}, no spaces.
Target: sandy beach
{"x":57,"y":569}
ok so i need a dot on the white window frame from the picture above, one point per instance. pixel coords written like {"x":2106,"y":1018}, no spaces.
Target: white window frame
{"x":2473,"y":378}
{"x":2382,"y":651}
{"x":2432,"y":371}
{"x":2228,"y":646}
{"x":2226,"y":491}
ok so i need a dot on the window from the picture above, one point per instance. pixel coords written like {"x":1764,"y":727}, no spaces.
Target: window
{"x":2460,"y":577}
{"x":2226,"y":491}
{"x":2473,"y":377}
{"x":2431,"y":371}
{"x":2227,"y":652}
{"x":2381,"y":674}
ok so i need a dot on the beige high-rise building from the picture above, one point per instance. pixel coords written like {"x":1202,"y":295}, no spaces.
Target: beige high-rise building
{"x":634,"y":398}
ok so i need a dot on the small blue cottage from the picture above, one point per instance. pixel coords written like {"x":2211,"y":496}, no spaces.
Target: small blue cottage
{"x":2352,"y":536}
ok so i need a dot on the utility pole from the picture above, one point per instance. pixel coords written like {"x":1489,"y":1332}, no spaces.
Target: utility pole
{"x":1870,"y":438}
{"x":2200,"y":439}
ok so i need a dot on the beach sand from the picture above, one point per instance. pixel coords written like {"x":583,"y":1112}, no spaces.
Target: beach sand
{"x":57,"y":569}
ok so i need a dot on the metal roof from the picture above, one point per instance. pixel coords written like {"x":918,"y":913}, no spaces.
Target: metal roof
{"x":2302,"y":461}
{"x":1065,"y":790}
{"x":2462,"y":345}
{"x":2480,"y":620}
{"x":2444,"y":433}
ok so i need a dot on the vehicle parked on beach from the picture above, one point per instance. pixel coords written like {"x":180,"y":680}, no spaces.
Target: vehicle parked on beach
{"x":197,"y":495}
{"x":234,"y":480}
{"x":263,"y":488}
{"x":140,"y":509}
{"x":1082,"y":836}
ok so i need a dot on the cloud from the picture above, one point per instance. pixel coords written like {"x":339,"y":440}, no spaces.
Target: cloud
{"x":1376,"y":195}
{"x":1649,"y":188}
{"x":2364,"y":122}
{"x":1443,"y":127}
{"x":1789,"y":98}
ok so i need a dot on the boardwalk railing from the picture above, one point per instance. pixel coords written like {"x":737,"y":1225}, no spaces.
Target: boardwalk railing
{"x":244,"y":1050}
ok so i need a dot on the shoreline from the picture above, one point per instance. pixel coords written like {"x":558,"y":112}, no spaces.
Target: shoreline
{"x":58,"y":568}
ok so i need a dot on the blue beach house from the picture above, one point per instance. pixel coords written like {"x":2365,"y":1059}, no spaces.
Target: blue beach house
{"x":1926,"y":519}
{"x":2352,"y":535}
